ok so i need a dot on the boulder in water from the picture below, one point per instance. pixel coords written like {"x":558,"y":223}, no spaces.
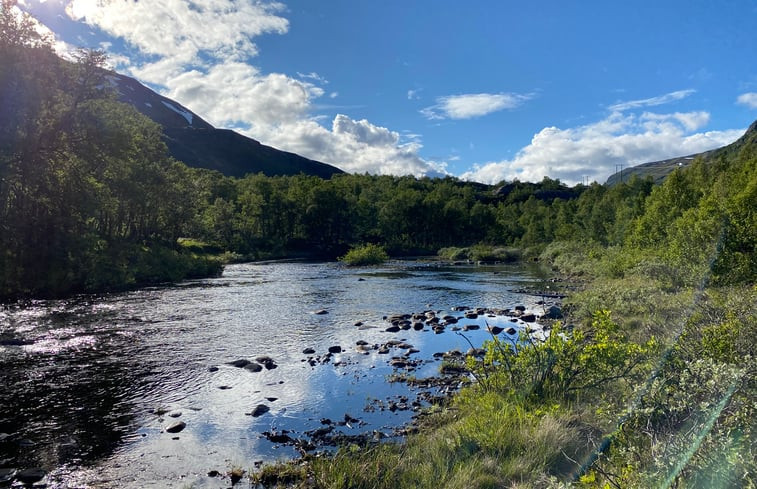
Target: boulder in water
{"x":176,"y":427}
{"x":253,"y":367}
{"x":259,"y":410}
{"x":31,"y":476}
{"x":241,"y":363}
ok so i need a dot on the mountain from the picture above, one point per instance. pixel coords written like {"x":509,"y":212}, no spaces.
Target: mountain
{"x":197,"y":143}
{"x":658,"y":170}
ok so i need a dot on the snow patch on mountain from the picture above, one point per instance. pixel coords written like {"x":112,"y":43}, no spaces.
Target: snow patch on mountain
{"x":184,"y":113}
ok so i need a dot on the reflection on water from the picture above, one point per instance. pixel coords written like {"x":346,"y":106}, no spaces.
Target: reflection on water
{"x":89,"y":384}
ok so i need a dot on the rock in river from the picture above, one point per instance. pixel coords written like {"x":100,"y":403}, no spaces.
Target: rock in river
{"x":259,"y":410}
{"x":6,"y":476}
{"x":308,"y":351}
{"x":30,"y":476}
{"x":176,"y":427}
{"x":253,"y":367}
{"x":240,"y":363}
{"x":554,"y":312}
{"x":335,"y":349}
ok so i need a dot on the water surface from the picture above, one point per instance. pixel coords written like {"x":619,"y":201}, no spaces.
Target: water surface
{"x":87,"y":385}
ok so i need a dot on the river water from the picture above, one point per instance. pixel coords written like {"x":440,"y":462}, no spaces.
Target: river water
{"x":88,"y":385}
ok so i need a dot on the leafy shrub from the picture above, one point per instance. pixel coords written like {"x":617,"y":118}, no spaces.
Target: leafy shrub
{"x":453,"y":254}
{"x":564,"y":363}
{"x":367,"y":254}
{"x":480,"y":253}
{"x":486,"y":253}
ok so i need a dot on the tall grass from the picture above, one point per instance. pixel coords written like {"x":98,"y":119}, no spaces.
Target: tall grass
{"x":485,"y":440}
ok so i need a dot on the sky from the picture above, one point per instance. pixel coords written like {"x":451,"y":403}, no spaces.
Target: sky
{"x":481,"y":90}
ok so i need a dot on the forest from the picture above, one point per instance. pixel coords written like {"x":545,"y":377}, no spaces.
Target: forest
{"x":90,"y":201}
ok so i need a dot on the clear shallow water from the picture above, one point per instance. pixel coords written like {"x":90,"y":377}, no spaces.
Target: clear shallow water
{"x":81,"y":379}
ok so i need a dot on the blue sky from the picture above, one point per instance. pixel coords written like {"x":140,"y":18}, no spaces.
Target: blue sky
{"x":483,"y":90}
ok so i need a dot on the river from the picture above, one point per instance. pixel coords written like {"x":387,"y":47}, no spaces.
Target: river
{"x":89,"y":384}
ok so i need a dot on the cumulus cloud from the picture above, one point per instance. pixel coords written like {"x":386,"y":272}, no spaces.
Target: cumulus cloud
{"x":472,"y":105}
{"x":653,"y":101}
{"x":199,"y":52}
{"x":223,"y":28}
{"x":748,"y":99}
{"x":594,"y":149}
{"x":356,"y":146}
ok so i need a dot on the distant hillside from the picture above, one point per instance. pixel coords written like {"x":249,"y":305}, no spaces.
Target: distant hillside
{"x":658,"y":170}
{"x":197,"y":143}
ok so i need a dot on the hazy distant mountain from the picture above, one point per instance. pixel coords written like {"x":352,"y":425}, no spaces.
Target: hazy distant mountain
{"x":197,"y":143}
{"x":658,"y":170}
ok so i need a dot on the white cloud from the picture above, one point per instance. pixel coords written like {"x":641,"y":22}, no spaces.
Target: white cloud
{"x":472,"y":105}
{"x":413,"y":95}
{"x":689,"y":120}
{"x":356,"y":146}
{"x":594,"y":149}
{"x":313,"y":76}
{"x":653,"y":101}
{"x":222,"y":28}
{"x":748,"y":99}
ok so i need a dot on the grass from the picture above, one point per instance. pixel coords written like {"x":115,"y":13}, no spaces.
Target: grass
{"x":484,"y":440}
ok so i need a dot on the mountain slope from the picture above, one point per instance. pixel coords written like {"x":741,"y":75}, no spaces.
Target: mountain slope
{"x":658,"y":170}
{"x":197,"y":143}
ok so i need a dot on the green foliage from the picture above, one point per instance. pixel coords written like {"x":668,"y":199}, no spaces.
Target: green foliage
{"x":367,"y":254}
{"x":480,"y":253}
{"x":492,"y":441}
{"x":563,"y":364}
{"x":88,"y":197}
{"x":453,"y":253}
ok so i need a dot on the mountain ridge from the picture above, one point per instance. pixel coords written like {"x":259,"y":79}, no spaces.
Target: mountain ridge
{"x":199,"y":144}
{"x":658,"y":170}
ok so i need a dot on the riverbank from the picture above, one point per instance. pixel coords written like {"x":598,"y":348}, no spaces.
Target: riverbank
{"x":526,"y":422}
{"x":115,"y":268}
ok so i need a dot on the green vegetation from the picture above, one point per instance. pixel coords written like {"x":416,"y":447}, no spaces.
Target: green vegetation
{"x":480,"y":253}
{"x":659,"y":392}
{"x":368,"y":254}
{"x":88,"y":198}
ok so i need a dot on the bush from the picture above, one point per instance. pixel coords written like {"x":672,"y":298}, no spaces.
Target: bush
{"x":453,"y":254}
{"x":480,"y":253}
{"x":486,"y":253}
{"x":368,"y":254}
{"x":564,"y":363}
